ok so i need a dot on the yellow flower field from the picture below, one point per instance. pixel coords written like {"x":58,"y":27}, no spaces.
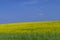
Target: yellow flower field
{"x":31,"y":27}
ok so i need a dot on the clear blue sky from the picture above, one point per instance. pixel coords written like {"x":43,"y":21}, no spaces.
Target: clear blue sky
{"x":29,"y":10}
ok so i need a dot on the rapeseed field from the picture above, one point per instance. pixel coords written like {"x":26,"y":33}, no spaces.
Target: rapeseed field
{"x":30,"y":31}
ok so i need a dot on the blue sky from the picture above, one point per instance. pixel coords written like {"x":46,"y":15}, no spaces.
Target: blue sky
{"x":29,"y":10}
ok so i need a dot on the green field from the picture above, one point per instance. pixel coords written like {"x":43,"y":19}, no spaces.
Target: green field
{"x":47,"y":30}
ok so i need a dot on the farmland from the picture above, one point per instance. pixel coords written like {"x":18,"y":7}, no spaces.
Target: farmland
{"x":30,"y":31}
